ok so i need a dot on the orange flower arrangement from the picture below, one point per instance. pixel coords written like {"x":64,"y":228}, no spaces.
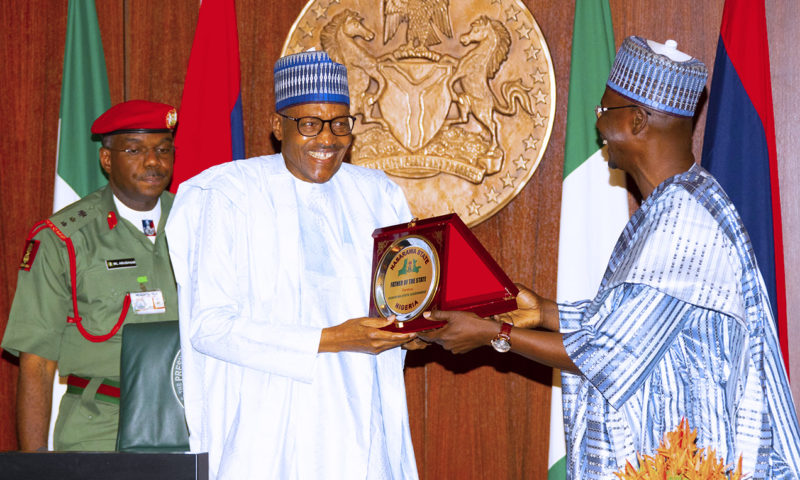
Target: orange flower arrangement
{"x":678,"y":458}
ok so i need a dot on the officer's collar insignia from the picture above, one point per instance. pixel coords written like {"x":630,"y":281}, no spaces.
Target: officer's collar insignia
{"x":112,"y":220}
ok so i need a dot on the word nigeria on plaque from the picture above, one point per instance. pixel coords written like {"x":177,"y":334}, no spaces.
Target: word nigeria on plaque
{"x":435,"y":263}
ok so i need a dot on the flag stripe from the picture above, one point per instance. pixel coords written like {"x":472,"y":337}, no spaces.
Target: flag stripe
{"x":84,"y":97}
{"x":237,"y":130}
{"x":739,"y":145}
{"x":750,"y":17}
{"x":210,"y":127}
{"x":589,"y":67}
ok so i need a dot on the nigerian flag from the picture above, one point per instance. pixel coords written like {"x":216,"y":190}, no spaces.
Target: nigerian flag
{"x":594,"y":201}
{"x":84,"y":96}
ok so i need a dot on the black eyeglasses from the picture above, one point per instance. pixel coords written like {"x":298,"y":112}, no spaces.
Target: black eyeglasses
{"x":598,"y":110}
{"x":311,"y":126}
{"x":165,"y":151}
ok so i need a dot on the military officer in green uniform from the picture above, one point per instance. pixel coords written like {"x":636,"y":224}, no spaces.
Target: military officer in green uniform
{"x":92,"y":267}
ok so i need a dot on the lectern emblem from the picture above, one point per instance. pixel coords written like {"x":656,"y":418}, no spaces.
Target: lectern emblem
{"x":176,"y":377}
{"x":456,"y":104}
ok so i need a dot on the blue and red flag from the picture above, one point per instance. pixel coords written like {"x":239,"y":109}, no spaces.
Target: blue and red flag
{"x":210,"y":129}
{"x":739,"y":145}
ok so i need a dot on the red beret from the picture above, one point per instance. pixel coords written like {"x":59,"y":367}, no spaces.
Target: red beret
{"x":136,"y":116}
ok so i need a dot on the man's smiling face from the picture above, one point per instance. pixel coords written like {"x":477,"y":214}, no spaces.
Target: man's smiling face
{"x":312,"y":159}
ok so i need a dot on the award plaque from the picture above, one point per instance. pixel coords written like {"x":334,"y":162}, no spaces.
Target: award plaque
{"x":436,"y":263}
{"x":407,"y":278}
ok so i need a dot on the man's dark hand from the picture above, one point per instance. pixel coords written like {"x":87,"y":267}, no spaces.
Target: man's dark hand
{"x":362,"y":335}
{"x":463,"y":332}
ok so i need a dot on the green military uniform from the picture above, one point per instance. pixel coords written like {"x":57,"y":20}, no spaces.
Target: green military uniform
{"x":113,"y":258}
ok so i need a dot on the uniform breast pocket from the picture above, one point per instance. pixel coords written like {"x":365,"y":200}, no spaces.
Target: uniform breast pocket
{"x":99,"y":282}
{"x":102,"y":290}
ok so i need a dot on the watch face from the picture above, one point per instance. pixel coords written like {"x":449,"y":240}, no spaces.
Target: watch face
{"x":501,"y":344}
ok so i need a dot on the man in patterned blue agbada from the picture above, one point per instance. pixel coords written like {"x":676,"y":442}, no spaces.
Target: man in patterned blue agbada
{"x":681,"y":326}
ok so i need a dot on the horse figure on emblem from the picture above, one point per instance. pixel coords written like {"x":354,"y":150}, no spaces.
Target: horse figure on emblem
{"x":476,"y":96}
{"x":338,"y":38}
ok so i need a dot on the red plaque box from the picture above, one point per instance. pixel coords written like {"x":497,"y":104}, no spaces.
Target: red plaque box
{"x":467,"y":278}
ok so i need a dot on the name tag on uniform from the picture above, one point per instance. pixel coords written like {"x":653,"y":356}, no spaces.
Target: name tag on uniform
{"x":146,"y":303}
{"x":120,"y":263}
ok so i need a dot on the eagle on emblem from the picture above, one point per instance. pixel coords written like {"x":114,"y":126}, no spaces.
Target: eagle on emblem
{"x":421,"y":16}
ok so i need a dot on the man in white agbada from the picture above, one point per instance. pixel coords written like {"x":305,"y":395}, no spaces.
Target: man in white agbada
{"x":272,"y":256}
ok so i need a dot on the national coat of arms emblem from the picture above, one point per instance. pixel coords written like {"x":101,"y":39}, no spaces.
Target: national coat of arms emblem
{"x":454,"y":102}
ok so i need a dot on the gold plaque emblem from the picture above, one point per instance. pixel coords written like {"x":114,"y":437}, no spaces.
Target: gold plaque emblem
{"x":455,"y":102}
{"x":407,"y":278}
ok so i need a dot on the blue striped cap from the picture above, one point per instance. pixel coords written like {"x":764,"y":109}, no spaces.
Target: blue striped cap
{"x":658,"y":76}
{"x":309,"y":77}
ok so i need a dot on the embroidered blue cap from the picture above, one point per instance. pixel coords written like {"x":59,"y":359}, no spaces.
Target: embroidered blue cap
{"x":658,"y":76}
{"x":309,"y":77}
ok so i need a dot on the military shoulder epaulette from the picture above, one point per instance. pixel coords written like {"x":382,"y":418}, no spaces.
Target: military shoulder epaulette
{"x":75,"y":216}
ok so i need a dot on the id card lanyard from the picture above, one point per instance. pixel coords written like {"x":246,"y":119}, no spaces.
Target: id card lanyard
{"x":147,"y":302}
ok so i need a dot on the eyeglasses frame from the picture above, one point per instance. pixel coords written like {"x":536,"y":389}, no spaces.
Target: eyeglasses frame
{"x":145,"y":152}
{"x":599,"y":110}
{"x":322,"y":126}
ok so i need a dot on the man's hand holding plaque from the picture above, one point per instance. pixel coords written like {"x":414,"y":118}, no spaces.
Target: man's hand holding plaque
{"x":362,"y":335}
{"x":436,"y":263}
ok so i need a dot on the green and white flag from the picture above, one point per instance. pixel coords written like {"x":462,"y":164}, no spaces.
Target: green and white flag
{"x":594,"y":200}
{"x":84,"y":96}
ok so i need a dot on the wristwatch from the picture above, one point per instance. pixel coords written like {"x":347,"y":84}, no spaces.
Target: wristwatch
{"x":502,"y":342}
